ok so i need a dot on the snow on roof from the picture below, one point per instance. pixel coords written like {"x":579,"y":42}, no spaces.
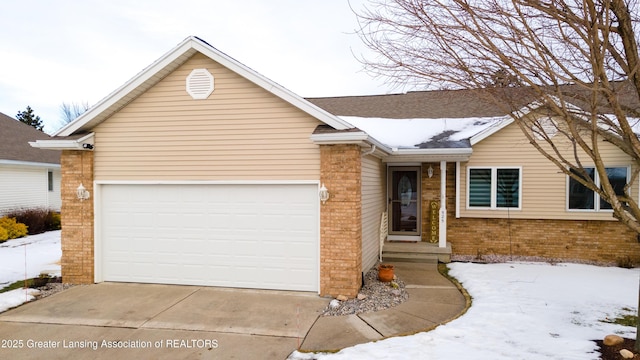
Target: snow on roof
{"x":422,"y":132}
{"x":633,"y":122}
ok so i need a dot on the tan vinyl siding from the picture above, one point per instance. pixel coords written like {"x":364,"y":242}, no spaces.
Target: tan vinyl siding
{"x":373,"y":204}
{"x":241,"y":132}
{"x":544,"y":187}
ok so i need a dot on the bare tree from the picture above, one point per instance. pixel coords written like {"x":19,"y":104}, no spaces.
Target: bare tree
{"x":578,"y":59}
{"x":70,"y":111}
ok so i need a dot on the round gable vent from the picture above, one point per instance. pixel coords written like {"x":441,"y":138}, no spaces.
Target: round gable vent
{"x":200,"y":84}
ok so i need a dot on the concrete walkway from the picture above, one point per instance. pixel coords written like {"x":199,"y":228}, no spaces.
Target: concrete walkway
{"x":147,"y":321}
{"x":433,"y":300}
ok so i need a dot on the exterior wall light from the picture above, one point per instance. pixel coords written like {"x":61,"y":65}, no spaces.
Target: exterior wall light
{"x":324,"y":194}
{"x":430,"y":171}
{"x":82,"y":193}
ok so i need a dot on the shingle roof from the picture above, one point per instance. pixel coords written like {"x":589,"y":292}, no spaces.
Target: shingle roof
{"x":439,"y":119}
{"x":422,"y":104}
{"x":14,"y":143}
{"x":451,"y":104}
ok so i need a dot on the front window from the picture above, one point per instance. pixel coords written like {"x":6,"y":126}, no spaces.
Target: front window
{"x":494,"y":188}
{"x":480,"y":187}
{"x":50,"y":180}
{"x":582,"y":198}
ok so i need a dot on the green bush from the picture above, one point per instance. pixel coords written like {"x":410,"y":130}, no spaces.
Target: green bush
{"x":38,"y":220}
{"x":14,"y":229}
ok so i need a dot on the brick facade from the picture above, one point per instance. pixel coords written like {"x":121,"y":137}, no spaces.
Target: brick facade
{"x":77,"y":217}
{"x":598,"y":241}
{"x":341,"y":220}
{"x":430,"y":192}
{"x":571,"y":240}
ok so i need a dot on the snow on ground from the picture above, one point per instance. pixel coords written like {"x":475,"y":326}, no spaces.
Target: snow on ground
{"x":28,"y":256}
{"x":13,"y":298}
{"x":519,"y":311}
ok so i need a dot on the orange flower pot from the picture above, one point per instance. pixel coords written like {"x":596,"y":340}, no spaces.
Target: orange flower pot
{"x":385,"y":272}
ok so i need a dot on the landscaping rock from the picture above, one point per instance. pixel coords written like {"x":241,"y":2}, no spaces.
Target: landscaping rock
{"x":342,"y":298}
{"x":374,"y":296}
{"x":334,"y":304}
{"x":53,"y":287}
{"x":626,"y":354}
{"x":612,"y":340}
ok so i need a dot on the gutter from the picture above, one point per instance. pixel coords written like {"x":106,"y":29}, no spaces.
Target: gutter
{"x":393,"y":154}
{"x":350,"y":137}
{"x":84,"y":143}
{"x":28,"y":163}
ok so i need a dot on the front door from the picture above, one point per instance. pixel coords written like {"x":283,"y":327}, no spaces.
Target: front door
{"x":404,"y":202}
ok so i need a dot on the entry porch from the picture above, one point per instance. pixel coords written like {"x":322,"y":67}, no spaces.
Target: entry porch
{"x":420,"y":198}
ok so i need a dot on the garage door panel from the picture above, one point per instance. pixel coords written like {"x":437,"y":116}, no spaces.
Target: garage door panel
{"x":254,"y":236}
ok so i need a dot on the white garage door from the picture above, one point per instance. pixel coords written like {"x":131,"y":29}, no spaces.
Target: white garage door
{"x":248,"y":236}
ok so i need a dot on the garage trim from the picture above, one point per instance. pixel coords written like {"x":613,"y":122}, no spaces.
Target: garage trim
{"x":97,"y":198}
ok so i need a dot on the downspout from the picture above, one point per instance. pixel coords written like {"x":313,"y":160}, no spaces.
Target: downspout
{"x":457,"y":189}
{"x":370,"y":151}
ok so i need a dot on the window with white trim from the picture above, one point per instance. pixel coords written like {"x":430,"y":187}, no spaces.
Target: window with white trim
{"x":579,"y":197}
{"x":494,"y":188}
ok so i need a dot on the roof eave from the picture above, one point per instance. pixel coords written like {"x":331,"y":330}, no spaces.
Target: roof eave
{"x":29,"y":163}
{"x":339,"y":137}
{"x":351,"y":137}
{"x":83,"y":143}
{"x":429,"y":155}
{"x":491,"y":130}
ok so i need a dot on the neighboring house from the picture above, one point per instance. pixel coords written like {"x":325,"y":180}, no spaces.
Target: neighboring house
{"x":201,"y":171}
{"x":29,"y":178}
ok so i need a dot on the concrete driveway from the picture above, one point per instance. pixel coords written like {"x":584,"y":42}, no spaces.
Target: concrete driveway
{"x":146,"y":321}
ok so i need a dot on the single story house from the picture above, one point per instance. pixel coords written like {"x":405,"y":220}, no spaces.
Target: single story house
{"x":29,"y":177}
{"x":200,"y":171}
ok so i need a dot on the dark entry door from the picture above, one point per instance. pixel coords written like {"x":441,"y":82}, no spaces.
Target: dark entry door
{"x":404,"y":196}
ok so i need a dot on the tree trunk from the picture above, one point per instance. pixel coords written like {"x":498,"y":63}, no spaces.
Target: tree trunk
{"x":636,"y":347}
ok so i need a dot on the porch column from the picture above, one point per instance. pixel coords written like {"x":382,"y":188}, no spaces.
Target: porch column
{"x":442,"y":240}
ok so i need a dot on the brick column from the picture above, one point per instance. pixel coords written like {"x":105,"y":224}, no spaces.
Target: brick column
{"x":77,"y":217}
{"x":430,"y":192}
{"x":341,"y":220}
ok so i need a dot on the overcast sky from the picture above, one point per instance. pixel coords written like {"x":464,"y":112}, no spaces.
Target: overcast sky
{"x":78,"y":51}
